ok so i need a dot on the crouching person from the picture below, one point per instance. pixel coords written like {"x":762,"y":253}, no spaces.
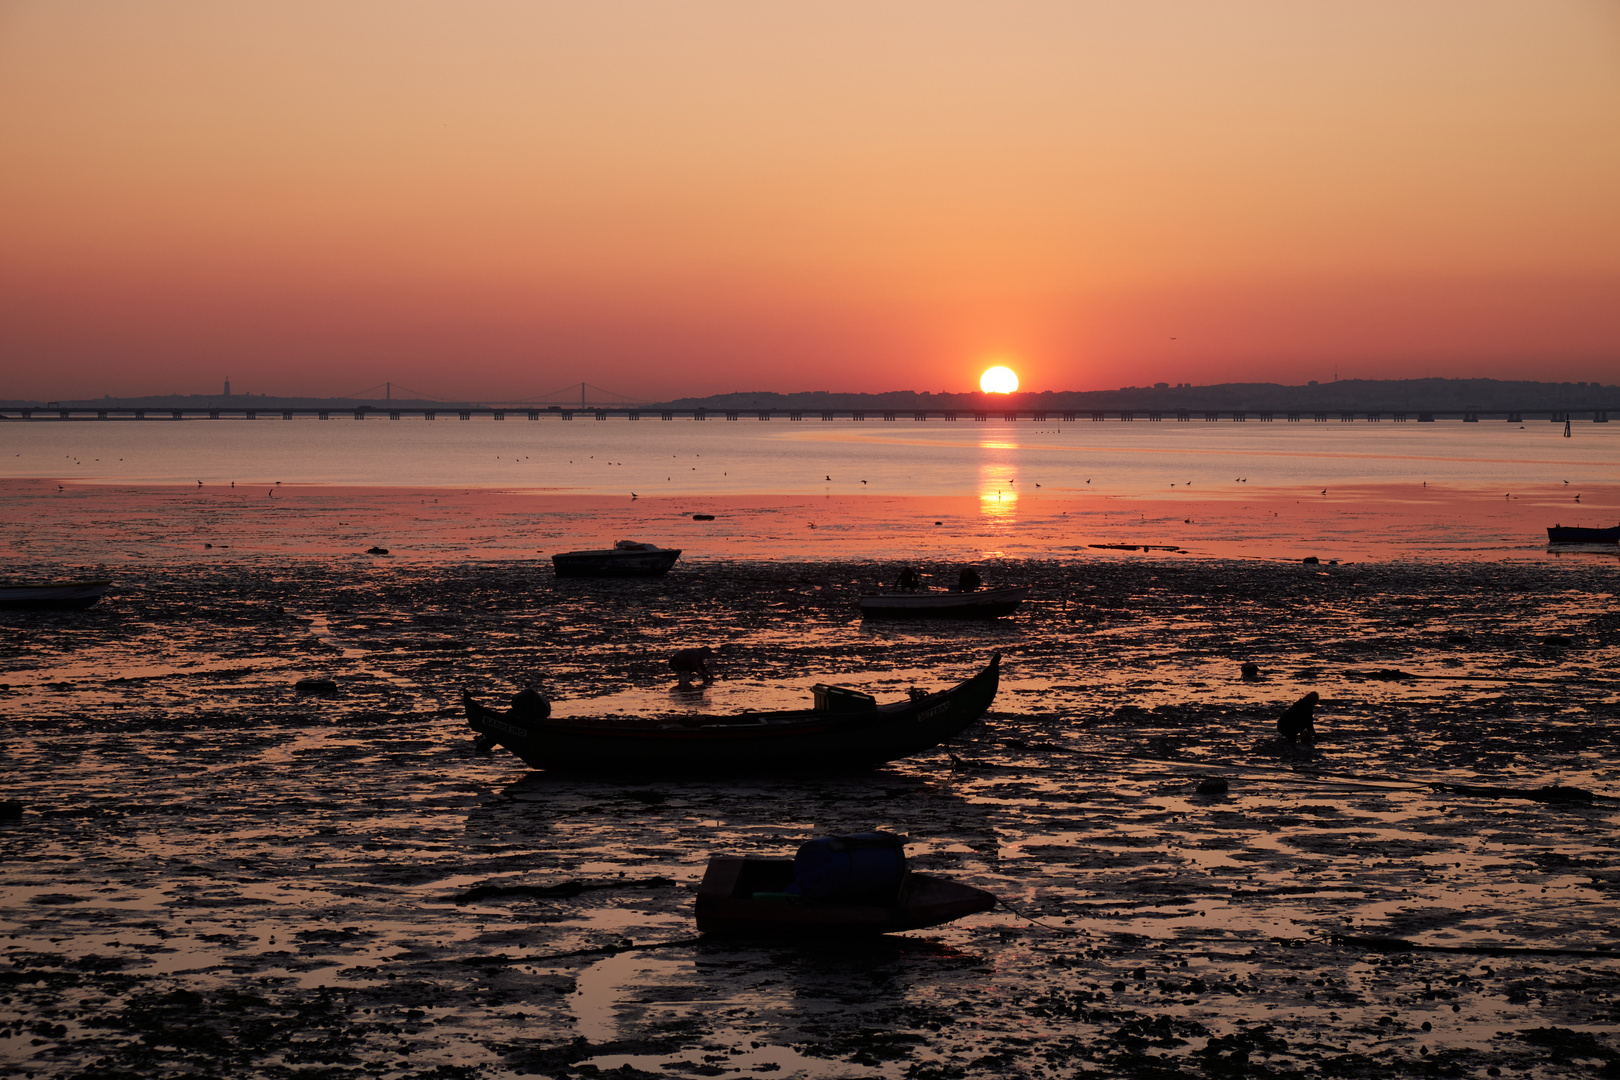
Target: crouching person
{"x":690,"y":662}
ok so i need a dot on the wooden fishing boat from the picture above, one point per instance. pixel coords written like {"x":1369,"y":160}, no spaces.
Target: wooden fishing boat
{"x":1570,"y":534}
{"x":627,"y":558}
{"x":844,"y":731}
{"x":747,"y":896}
{"x":53,"y":594}
{"x":980,"y":604}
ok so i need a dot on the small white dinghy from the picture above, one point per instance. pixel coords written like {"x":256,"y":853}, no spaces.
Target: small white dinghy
{"x":53,"y":594}
{"x":627,"y":558}
{"x":978,"y":604}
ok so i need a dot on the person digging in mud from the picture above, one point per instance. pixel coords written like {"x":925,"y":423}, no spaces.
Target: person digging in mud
{"x":968,"y":580}
{"x":690,"y":662}
{"x":527,"y":704}
{"x":908,"y":580}
{"x":1299,"y":719}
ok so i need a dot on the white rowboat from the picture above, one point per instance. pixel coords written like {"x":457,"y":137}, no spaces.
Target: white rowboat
{"x":53,"y":594}
{"x":979,"y":604}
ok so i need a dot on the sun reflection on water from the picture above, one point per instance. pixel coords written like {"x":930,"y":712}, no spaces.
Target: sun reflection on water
{"x":998,"y":495}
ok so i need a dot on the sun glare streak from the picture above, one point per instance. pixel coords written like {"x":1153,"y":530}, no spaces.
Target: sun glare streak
{"x":998,"y":498}
{"x":998,"y":380}
{"x":998,"y":492}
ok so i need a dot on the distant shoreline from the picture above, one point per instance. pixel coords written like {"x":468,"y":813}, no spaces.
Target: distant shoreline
{"x":1384,"y":396}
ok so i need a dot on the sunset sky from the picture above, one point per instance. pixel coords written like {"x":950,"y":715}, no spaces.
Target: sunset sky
{"x":494,"y":200}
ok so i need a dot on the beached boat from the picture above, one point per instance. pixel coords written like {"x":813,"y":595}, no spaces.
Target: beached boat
{"x":980,"y":604}
{"x":53,"y":594}
{"x":844,"y":731}
{"x":1570,"y":534}
{"x":627,"y":558}
{"x":747,"y":896}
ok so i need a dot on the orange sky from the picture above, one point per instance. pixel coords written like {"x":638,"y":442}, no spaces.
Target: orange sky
{"x":496,"y":199}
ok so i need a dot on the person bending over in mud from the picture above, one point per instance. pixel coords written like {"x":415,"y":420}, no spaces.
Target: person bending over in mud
{"x":1299,"y":720}
{"x":690,"y":662}
{"x":528,"y":704}
{"x":908,"y":580}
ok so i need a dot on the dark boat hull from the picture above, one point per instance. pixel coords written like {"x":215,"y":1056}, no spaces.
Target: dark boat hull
{"x":989,"y":604}
{"x":726,"y":903}
{"x":56,"y":595}
{"x":749,"y":744}
{"x":582,"y":564}
{"x":1569,"y":534}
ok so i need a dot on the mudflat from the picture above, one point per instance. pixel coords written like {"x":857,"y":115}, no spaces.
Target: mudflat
{"x":211,"y":873}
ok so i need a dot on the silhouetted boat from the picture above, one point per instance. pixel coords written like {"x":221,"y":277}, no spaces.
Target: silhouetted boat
{"x":53,"y":594}
{"x":746,"y":896}
{"x":980,"y":604}
{"x":1570,"y":534}
{"x":624,"y":559}
{"x":845,"y":731}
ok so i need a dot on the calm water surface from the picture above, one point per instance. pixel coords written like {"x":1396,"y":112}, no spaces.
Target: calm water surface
{"x":812,"y":457}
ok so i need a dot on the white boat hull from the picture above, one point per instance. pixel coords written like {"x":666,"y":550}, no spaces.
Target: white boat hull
{"x":981,"y":604}
{"x":616,"y":562}
{"x":61,"y":594}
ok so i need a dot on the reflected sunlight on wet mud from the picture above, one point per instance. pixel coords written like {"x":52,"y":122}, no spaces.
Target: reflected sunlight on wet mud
{"x":344,"y":886}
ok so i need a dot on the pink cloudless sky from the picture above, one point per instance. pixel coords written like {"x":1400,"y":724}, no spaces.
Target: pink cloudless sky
{"x":498,"y":199}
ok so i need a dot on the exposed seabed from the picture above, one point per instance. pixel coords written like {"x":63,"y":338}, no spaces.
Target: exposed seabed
{"x":214,"y":875}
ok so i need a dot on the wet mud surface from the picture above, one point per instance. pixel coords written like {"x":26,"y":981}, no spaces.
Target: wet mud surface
{"x":215,"y":875}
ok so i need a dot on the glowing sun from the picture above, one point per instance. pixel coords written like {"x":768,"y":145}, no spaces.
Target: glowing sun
{"x":998,"y":380}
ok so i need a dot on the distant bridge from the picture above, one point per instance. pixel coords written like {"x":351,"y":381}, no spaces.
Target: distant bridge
{"x":639,"y":412}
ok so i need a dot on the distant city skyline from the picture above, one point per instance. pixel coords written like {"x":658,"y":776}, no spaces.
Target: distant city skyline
{"x":492,"y":200}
